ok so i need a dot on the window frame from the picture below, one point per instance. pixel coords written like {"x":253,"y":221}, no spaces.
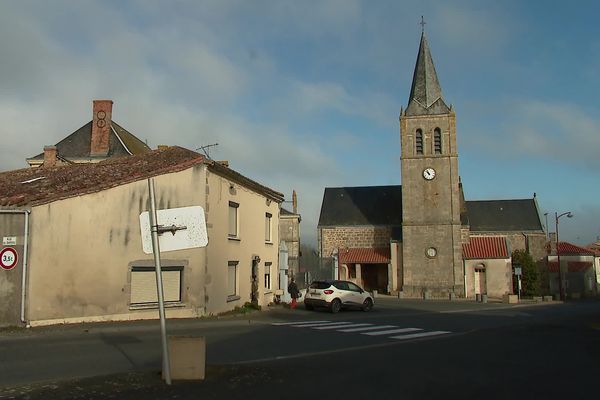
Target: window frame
{"x":147,"y":269}
{"x":236,"y":225}
{"x":268,"y":227}
{"x":267,"y":276}
{"x":235,"y":295}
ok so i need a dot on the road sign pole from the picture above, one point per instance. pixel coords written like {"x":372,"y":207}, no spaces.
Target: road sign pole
{"x":159,"y":285}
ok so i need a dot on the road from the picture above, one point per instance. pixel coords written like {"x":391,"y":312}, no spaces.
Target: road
{"x":419,"y":349}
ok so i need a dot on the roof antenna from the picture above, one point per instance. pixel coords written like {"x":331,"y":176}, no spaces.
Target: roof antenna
{"x":422,"y":23}
{"x":206,"y":149}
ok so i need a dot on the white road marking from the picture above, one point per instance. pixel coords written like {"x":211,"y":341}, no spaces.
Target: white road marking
{"x":296,"y":322}
{"x":320,"y":324}
{"x":418,"y":335}
{"x":368,"y":328}
{"x":347,"y":325}
{"x":389,"y":332}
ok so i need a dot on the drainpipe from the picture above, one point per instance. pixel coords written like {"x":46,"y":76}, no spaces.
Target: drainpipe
{"x":25,"y":251}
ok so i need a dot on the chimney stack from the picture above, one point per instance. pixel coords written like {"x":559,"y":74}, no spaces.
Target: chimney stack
{"x":294,"y":202}
{"x":101,"y":127}
{"x":50,"y":158}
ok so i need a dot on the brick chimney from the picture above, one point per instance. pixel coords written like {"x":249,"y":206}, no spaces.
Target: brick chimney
{"x":101,"y":127}
{"x":50,"y":158}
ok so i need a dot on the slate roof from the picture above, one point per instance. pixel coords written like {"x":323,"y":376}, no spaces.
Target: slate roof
{"x":364,"y":255}
{"x":425,"y":93}
{"x":363,"y":205}
{"x":36,"y":186}
{"x":485,"y":247}
{"x":78,"y":144}
{"x":503,"y":215}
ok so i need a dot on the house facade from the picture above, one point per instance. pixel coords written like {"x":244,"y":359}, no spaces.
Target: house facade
{"x":422,"y":238}
{"x":76,"y":230}
{"x":577,"y":271}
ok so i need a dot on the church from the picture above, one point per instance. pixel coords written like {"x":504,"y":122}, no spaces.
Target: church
{"x":423,"y":239}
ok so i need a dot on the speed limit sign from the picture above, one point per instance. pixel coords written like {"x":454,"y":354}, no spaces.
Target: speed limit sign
{"x":8,"y":258}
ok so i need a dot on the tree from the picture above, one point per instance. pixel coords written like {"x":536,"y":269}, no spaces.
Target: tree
{"x":531,"y":277}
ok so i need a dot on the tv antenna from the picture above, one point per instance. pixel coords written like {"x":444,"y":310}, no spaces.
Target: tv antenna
{"x":206,"y":149}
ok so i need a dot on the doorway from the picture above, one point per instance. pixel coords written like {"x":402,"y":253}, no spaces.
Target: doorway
{"x":480,"y":280}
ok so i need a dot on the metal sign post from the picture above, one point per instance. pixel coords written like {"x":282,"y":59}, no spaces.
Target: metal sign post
{"x":159,"y":285}
{"x":518,"y":273}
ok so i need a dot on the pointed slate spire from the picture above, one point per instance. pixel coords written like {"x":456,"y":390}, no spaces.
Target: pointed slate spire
{"x":426,"y":92}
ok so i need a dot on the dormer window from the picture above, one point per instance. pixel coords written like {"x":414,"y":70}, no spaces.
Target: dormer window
{"x":437,"y":141}
{"x":419,"y":141}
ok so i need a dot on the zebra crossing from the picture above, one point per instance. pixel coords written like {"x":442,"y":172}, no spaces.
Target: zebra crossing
{"x":390,"y":331}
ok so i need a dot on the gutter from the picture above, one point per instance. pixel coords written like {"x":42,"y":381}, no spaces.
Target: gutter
{"x":25,"y":251}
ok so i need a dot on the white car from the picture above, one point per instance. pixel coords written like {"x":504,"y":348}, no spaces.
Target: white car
{"x":336,"y":295}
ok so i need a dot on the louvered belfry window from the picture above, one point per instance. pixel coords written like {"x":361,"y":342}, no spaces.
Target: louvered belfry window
{"x":437,"y":141}
{"x":419,"y":141}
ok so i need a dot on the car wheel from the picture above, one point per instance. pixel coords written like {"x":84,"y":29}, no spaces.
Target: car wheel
{"x":308,"y":307}
{"x":367,"y":305}
{"x":336,"y":306}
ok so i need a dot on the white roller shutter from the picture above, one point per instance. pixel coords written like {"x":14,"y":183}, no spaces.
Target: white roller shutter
{"x":143,"y":285}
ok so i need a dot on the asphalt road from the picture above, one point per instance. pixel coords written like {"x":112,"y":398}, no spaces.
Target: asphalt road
{"x":407,"y":349}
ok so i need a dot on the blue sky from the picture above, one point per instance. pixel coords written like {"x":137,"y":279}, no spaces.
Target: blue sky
{"x":306,"y":94}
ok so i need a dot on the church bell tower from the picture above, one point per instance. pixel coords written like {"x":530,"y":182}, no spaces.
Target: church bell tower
{"x":431,"y":226}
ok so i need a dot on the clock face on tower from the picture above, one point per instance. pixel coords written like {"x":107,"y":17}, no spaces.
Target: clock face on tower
{"x":429,"y":173}
{"x":431,"y":252}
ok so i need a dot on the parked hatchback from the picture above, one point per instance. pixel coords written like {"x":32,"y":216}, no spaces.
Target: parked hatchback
{"x":336,"y":295}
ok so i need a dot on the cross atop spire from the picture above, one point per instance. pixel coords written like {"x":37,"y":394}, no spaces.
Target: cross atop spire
{"x":422,"y":23}
{"x":425,"y":92}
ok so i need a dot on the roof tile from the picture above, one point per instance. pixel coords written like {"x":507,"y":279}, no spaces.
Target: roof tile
{"x":364,"y":255}
{"x":484,"y":247}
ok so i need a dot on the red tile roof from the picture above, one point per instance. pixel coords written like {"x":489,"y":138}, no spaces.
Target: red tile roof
{"x":573,"y":266}
{"x":571,"y":249}
{"x":364,"y":255}
{"x":36,"y":186}
{"x":482,"y":247}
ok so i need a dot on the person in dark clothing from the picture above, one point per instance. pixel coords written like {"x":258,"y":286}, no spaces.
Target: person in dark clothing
{"x":294,"y":293}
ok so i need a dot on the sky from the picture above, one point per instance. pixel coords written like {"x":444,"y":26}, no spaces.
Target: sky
{"x":303,"y":95}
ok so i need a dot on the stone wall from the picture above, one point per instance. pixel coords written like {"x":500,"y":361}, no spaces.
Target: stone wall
{"x":331,"y":239}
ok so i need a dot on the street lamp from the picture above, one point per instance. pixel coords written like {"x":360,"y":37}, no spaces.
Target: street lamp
{"x":561,"y":293}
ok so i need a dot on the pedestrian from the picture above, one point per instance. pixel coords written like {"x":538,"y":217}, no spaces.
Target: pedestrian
{"x":294,"y":292}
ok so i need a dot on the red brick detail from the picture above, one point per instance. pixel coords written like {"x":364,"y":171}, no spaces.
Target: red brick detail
{"x":482,"y":247}
{"x":364,"y":256}
{"x":101,"y":127}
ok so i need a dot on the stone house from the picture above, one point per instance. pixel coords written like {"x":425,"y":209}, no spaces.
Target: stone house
{"x":577,"y":269}
{"x":99,"y":139}
{"x":289,"y":232}
{"x":413,"y":238}
{"x":76,"y":232}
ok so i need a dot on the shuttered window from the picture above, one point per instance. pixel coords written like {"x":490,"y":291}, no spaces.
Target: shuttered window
{"x":268,"y":217}
{"x":232,"y":278}
{"x":233,"y":219}
{"x":437,"y":141}
{"x":143,"y":285}
{"x":419,"y":141}
{"x":268,"y":275}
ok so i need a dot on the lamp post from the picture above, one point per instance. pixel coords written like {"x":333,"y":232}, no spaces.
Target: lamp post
{"x":561,"y":293}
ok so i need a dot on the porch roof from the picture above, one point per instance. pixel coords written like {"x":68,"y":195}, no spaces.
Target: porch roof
{"x":364,"y":255}
{"x":483,"y":247}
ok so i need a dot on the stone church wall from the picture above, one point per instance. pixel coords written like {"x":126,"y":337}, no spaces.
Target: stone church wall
{"x":353,"y":236}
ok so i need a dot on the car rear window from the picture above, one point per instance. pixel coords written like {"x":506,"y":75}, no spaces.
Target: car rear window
{"x":320,"y":285}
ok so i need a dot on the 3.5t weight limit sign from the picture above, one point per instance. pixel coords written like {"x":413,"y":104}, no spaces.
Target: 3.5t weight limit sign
{"x":8,"y":258}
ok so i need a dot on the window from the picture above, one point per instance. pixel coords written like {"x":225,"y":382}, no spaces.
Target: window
{"x":437,"y":141}
{"x":143,"y":285}
{"x":233,"y":219}
{"x":419,"y":141}
{"x":268,"y":227}
{"x":354,"y":288}
{"x":268,"y":275}
{"x":232,"y":271}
